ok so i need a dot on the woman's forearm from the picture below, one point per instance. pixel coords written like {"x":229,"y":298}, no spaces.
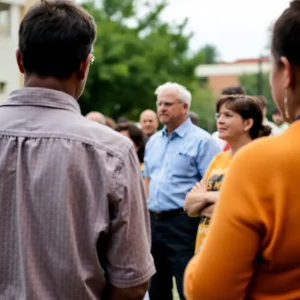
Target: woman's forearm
{"x":212,"y":197}
{"x":194,"y":204}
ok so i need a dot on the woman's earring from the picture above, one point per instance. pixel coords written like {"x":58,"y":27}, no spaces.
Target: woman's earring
{"x":286,"y":108}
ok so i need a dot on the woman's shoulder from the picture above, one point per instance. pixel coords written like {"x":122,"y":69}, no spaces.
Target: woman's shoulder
{"x":263,"y":153}
{"x":221,"y":160}
{"x":224,"y":155}
{"x":267,"y":146}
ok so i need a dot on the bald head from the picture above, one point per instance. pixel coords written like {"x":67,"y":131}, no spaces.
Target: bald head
{"x":149,"y":122}
{"x":96,"y":117}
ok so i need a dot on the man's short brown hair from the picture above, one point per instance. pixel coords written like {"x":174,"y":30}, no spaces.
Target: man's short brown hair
{"x":55,"y":37}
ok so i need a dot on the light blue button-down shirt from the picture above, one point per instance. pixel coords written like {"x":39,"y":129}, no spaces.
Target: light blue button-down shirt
{"x":175,"y":163}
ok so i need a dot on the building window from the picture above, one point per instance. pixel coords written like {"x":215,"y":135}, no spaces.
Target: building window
{"x":4,"y":20}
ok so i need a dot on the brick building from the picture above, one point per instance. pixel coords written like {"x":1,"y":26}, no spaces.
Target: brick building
{"x":224,"y":74}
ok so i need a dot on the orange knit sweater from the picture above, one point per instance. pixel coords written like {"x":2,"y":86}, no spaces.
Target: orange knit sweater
{"x":253,"y":246}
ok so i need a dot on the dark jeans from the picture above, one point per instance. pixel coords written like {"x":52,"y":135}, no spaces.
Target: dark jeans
{"x":173,"y":245}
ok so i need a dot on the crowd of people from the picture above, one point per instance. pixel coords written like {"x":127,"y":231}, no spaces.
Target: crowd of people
{"x":93,"y":208}
{"x":168,"y":167}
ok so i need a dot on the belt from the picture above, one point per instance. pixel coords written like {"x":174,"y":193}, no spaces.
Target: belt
{"x":166,"y":214}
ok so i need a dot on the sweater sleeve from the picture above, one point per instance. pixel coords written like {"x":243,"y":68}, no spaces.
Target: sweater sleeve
{"x":223,"y":268}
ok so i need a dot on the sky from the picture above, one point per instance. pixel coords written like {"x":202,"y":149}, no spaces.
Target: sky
{"x":238,"y":28}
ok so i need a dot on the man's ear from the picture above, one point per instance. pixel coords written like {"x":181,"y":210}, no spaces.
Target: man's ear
{"x":84,"y":68}
{"x":19,"y":61}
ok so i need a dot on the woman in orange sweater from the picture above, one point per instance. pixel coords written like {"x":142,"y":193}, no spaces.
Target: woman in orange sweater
{"x":252,"y":250}
{"x":239,"y":121}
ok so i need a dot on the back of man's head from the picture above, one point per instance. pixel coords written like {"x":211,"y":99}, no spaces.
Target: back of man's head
{"x":122,"y":120}
{"x":233,"y":90}
{"x":55,"y":37}
{"x":96,"y":117}
{"x":194,"y":117}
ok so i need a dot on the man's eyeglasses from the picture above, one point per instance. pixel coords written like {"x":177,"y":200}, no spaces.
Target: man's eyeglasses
{"x":166,"y":104}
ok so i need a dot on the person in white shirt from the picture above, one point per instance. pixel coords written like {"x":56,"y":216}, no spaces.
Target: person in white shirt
{"x":263,"y":105}
{"x":278,"y":120}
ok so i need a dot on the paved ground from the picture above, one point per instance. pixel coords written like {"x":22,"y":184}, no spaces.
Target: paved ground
{"x":175,"y":295}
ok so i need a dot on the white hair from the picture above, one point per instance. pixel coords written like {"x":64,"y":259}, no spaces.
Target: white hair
{"x":101,"y":117}
{"x":183,"y":94}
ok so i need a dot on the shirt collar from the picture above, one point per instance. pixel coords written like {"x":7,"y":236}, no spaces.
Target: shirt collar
{"x":33,"y":96}
{"x":181,"y":130}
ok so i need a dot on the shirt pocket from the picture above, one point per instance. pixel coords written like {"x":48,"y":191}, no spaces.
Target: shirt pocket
{"x":183,"y":165}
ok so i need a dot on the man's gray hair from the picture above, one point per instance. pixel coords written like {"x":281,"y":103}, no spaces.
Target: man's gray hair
{"x":184,"y":95}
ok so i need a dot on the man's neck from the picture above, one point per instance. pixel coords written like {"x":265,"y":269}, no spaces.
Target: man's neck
{"x":172,"y":127}
{"x":50,"y":83}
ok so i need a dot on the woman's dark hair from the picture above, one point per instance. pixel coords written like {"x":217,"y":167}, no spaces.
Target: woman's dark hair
{"x":233,"y":90}
{"x":262,"y":101}
{"x":286,"y":35}
{"x":55,"y":37}
{"x":248,"y":108}
{"x":136,"y":135}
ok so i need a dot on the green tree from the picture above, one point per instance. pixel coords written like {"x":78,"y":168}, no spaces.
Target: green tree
{"x":210,"y":54}
{"x":204,"y":105}
{"x":251,"y":85}
{"x":134,"y":55}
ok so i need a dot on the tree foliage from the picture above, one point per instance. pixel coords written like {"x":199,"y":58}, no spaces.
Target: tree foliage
{"x":210,"y":54}
{"x":136,"y":54}
{"x":252,"y":87}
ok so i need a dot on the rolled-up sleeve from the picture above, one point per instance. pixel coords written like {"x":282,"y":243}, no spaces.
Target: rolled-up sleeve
{"x":146,"y":172}
{"x":129,"y":259}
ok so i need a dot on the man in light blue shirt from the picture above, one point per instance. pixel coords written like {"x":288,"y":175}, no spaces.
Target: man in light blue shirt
{"x":176,"y":159}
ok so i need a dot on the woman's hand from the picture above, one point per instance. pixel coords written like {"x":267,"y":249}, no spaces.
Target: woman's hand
{"x":199,"y":187}
{"x":195,"y":200}
{"x":207,"y":211}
